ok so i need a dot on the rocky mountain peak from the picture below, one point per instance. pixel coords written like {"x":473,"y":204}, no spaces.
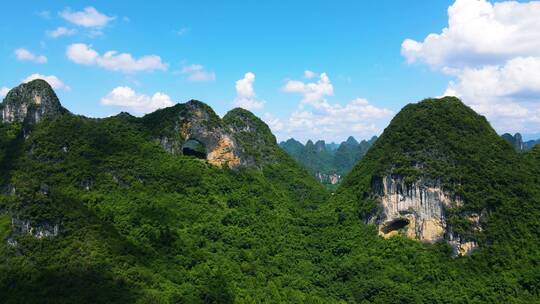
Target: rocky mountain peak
{"x":516,"y":141}
{"x":30,"y":103}
{"x":256,"y":143}
{"x":351,"y":141}
{"x":240,"y":139}
{"x":320,"y":145}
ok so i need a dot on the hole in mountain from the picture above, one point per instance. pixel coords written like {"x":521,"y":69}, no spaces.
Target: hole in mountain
{"x":193,"y":147}
{"x":395,"y":225}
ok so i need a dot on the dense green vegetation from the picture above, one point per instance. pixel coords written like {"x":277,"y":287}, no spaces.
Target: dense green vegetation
{"x":145,"y":225}
{"x":140,"y":225}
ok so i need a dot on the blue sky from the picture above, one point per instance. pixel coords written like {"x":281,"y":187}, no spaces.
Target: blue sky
{"x":360,"y":72}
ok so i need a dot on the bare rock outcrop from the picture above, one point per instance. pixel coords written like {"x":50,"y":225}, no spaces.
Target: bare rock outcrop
{"x":417,"y":210}
{"x":30,"y":103}
{"x":233,"y":141}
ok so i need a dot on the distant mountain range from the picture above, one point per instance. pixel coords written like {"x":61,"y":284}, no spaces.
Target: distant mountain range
{"x":328,"y":162}
{"x":517,"y":142}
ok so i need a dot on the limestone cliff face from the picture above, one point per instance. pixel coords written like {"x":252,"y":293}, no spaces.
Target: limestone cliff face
{"x":30,"y":103}
{"x":240,"y":139}
{"x":332,"y":179}
{"x":204,"y":126}
{"x":195,"y":121}
{"x":416,"y":210}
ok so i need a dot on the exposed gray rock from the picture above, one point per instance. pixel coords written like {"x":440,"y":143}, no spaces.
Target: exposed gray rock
{"x":41,"y":230}
{"x":195,"y":121}
{"x":325,"y":178}
{"x":417,"y":210}
{"x":30,"y":103}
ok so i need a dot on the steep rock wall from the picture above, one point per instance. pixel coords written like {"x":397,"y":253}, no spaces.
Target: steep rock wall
{"x":416,"y":210}
{"x":196,"y":121}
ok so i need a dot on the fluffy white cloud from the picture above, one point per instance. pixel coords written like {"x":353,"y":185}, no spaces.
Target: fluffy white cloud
{"x":245,"y":93}
{"x":274,"y":123}
{"x":25,"y":55}
{"x":3,"y":92}
{"x":493,"y":51}
{"x":336,"y":121}
{"x":313,"y":91}
{"x":89,"y":17}
{"x":54,"y":81}
{"x":480,"y":33}
{"x":509,"y":95}
{"x":112,"y":60}
{"x":61,"y":31}
{"x":196,"y":72}
{"x":125,"y":97}
{"x":317,"y":118}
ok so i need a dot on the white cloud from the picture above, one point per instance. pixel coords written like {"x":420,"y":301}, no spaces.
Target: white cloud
{"x":112,"y":60}
{"x":25,"y":55}
{"x":249,"y":104}
{"x":509,"y":95}
{"x":82,"y":54}
{"x":274,"y":123}
{"x":309,"y":74}
{"x":196,"y":72}
{"x":480,"y":33}
{"x":493,"y":52}
{"x":245,"y":93}
{"x":333,"y":121}
{"x":125,"y":97}
{"x":61,"y":31}
{"x":313,"y":91}
{"x":3,"y":92}
{"x":54,"y":81}
{"x":317,"y":118}
{"x":89,"y":17}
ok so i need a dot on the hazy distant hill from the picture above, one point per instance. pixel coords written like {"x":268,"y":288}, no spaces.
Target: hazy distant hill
{"x":517,"y":142}
{"x":328,"y":162}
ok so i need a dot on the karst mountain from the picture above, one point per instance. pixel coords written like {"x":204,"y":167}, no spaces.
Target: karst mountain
{"x":184,"y":206}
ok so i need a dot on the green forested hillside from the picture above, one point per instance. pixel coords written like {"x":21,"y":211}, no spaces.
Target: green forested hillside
{"x":137,"y":224}
{"x":443,"y":139}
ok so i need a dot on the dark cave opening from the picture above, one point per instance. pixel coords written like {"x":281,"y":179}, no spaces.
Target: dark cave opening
{"x":193,"y":147}
{"x":395,"y":225}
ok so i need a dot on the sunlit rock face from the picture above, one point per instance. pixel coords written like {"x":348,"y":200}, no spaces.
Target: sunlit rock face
{"x":203,"y":125}
{"x":30,"y":103}
{"x":332,"y":179}
{"x":416,"y":210}
{"x":196,"y":121}
{"x":421,"y":204}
